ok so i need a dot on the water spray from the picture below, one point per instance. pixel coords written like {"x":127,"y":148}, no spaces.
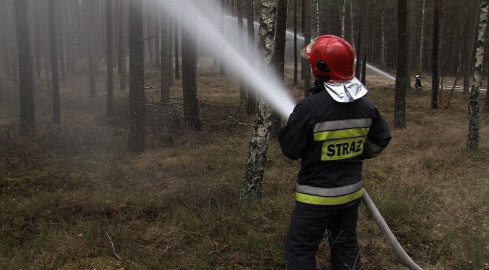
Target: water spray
{"x":205,"y":16}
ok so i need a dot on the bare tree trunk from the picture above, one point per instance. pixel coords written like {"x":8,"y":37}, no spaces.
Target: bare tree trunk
{"x":109,"y":47}
{"x":382,"y":37}
{"x":474,"y":120}
{"x":165,"y":57}
{"x":279,"y":56}
{"x":177,"y":61}
{"x":123,"y":46}
{"x":91,"y":49}
{"x":189,"y":79}
{"x":54,"y":64}
{"x":317,"y":17}
{"x":436,"y":49}
{"x":251,"y":101}
{"x":296,"y":71}
{"x":306,"y":30}
{"x":421,"y":38}
{"x":222,"y":68}
{"x":469,"y":41}
{"x":252,"y":181}
{"x":26,"y":87}
{"x":242,"y":85}
{"x":342,"y":22}
{"x":60,"y":40}
{"x":364,"y":34}
{"x":137,"y":108}
{"x":402,"y":65}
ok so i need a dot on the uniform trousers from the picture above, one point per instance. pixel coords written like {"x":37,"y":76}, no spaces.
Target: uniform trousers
{"x":307,"y":228}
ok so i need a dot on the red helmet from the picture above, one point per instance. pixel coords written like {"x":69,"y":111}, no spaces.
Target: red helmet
{"x":332,"y":58}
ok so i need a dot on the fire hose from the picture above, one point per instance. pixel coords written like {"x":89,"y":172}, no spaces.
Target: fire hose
{"x":384,"y":228}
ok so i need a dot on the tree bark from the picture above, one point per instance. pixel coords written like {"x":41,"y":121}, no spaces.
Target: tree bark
{"x":251,"y":188}
{"x":137,"y":108}
{"x":242,"y":85}
{"x":165,"y":57}
{"x":26,"y":86}
{"x":279,"y":56}
{"x":402,"y":65}
{"x":123,"y":46}
{"x":109,"y":53}
{"x":177,"y":60}
{"x":436,"y":49}
{"x":296,"y":70}
{"x":54,"y":64}
{"x":91,"y":49}
{"x":474,"y":119}
{"x":306,"y":30}
{"x":189,"y":79}
{"x":421,"y":38}
{"x":251,"y":100}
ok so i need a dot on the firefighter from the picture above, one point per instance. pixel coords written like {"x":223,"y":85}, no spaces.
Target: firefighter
{"x":417,"y":84}
{"x":331,"y":131}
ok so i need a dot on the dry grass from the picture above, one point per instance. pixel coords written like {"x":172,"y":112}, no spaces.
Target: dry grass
{"x":176,"y":206}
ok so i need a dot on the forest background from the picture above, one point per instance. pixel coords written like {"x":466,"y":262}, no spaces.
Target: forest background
{"x":75,"y":194}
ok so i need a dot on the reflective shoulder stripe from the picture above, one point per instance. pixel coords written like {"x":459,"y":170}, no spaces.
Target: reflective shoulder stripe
{"x":329,"y":192}
{"x":341,"y":134}
{"x":343,"y":124}
{"x":318,"y":200}
{"x":372,"y":149}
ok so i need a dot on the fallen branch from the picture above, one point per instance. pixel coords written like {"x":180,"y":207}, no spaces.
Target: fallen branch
{"x":112,"y":245}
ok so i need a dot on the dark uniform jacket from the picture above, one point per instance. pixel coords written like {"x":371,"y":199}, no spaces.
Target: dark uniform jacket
{"x":331,"y":139}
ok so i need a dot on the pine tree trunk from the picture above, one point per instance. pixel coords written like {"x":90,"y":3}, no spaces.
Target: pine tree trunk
{"x":123,"y":46}
{"x":91,"y":50}
{"x":436,"y":49}
{"x":165,"y":57}
{"x":402,"y":66}
{"x":421,"y":38}
{"x":54,"y":64}
{"x":222,"y":68}
{"x":189,"y":79}
{"x":252,"y":181}
{"x":242,"y":85}
{"x":60,"y":40}
{"x":306,"y":30}
{"x":177,"y":60}
{"x":251,"y":100}
{"x":109,"y":47}
{"x":342,"y":18}
{"x":26,"y":86}
{"x":279,"y":56}
{"x":136,"y":78}
{"x":296,"y":68}
{"x":474,"y":120}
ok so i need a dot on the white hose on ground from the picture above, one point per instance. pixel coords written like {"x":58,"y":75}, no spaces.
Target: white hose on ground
{"x":406,"y":260}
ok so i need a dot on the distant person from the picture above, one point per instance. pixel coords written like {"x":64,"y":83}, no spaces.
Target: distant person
{"x":417,"y":84}
{"x":331,"y":131}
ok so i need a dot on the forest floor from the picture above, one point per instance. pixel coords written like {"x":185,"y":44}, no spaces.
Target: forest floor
{"x":75,"y":198}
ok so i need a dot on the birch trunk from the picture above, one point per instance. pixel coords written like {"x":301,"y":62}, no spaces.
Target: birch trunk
{"x":252,"y":181}
{"x":474,"y":120}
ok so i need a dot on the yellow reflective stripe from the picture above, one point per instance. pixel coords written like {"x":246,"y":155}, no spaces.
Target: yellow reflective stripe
{"x":318,"y":200}
{"x":341,"y":134}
